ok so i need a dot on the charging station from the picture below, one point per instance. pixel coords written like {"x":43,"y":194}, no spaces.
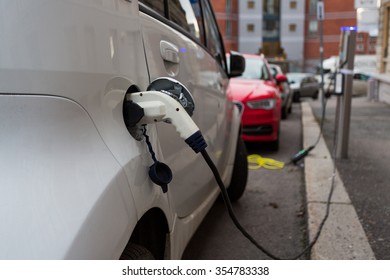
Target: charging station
{"x":344,"y":82}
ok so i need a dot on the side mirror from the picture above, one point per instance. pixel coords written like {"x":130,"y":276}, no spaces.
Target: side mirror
{"x":280,"y":78}
{"x":236,"y":63}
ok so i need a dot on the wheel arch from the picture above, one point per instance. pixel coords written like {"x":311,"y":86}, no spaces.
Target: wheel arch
{"x":151,"y":232}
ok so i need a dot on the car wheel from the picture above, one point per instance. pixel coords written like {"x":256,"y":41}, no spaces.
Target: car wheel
{"x":274,"y":145}
{"x":315,"y":96}
{"x":284,"y":112}
{"x":296,"y":97}
{"x":240,"y":172}
{"x":136,"y":252}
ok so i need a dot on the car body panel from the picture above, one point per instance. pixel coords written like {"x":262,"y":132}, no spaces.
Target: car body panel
{"x":71,"y":164}
{"x":286,"y":92}
{"x":44,"y":207}
{"x":304,"y":84}
{"x":208,"y":87}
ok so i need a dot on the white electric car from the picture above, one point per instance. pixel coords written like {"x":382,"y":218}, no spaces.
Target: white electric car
{"x":74,"y":181}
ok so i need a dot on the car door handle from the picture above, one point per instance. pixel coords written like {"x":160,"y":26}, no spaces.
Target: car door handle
{"x":169,"y":52}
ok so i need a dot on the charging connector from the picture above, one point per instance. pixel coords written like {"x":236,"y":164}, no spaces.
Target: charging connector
{"x":158,"y":106}
{"x":301,"y":154}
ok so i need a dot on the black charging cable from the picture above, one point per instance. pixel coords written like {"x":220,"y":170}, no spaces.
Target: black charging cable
{"x":300,"y":155}
{"x":304,"y":152}
{"x":229,"y":207}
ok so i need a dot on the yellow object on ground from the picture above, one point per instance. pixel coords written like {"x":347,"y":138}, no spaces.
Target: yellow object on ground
{"x":257,"y":161}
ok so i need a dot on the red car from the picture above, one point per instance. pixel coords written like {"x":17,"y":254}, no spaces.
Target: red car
{"x":259,"y":94}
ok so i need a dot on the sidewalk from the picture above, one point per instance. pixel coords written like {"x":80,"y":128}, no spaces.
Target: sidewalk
{"x":343,"y":236}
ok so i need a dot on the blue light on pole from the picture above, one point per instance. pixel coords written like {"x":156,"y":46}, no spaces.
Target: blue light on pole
{"x":348,"y":28}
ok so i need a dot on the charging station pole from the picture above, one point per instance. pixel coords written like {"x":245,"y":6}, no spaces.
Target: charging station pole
{"x":344,"y":101}
{"x":320,"y":18}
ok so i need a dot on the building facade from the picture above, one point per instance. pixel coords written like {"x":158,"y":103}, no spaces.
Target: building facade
{"x":250,"y":26}
{"x":365,"y":43}
{"x":384,"y":38}
{"x":381,"y":82}
{"x":226,"y":12}
{"x":289,"y":29}
{"x":336,"y":15}
{"x":272,"y":27}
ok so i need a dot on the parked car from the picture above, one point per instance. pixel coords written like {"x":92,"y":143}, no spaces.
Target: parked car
{"x":364,"y":67}
{"x":285,"y":91}
{"x":359,"y":83}
{"x":303,"y":85}
{"x":75,"y":182}
{"x":258,"y":91}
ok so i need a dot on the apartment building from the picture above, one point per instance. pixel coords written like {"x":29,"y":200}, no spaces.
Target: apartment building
{"x":286,"y":30}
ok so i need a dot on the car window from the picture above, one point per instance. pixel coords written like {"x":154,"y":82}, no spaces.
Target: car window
{"x":213,"y":39}
{"x":157,"y":6}
{"x":187,"y":14}
{"x":273,"y":71}
{"x":255,"y":69}
{"x":266,"y":74}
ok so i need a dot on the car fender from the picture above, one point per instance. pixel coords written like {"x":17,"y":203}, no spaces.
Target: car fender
{"x":64,"y":195}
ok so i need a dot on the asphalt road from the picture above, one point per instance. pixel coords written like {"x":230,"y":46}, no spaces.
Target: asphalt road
{"x":272,"y":209}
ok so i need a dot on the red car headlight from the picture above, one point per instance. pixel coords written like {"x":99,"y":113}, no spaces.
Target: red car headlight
{"x":266,"y":104}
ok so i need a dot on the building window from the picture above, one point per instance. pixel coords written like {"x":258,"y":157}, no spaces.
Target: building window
{"x":313,"y":26}
{"x":271,"y":7}
{"x":292,"y":27}
{"x":228,"y":31}
{"x":228,"y":7}
{"x":313,"y":7}
{"x":360,"y":47}
{"x":251,"y":5}
{"x":250,"y":27}
{"x":271,"y":21}
{"x":293,"y":5}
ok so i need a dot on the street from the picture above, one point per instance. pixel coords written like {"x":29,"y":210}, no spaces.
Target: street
{"x":272,"y":209}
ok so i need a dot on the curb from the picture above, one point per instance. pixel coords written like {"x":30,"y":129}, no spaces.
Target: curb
{"x":342,"y":237}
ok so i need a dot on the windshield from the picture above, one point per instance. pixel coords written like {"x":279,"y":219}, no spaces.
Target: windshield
{"x":295,"y":78}
{"x":255,"y":69}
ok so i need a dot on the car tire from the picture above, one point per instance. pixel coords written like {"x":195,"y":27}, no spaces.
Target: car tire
{"x":284,"y":112}
{"x":240,"y":173}
{"x":296,"y":97}
{"x":136,"y":252}
{"x":315,"y":96}
{"x":274,"y":145}
{"x":290,"y":108}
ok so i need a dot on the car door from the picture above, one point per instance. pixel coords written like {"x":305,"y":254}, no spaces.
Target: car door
{"x":305,"y":87}
{"x":314,"y":86}
{"x":180,"y":44}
